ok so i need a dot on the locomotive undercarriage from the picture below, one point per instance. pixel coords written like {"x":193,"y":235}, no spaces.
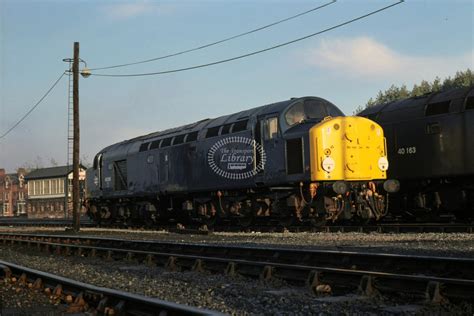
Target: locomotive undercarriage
{"x":442,"y":199}
{"x":313,"y":203}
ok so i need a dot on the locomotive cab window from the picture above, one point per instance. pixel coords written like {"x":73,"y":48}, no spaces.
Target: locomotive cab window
{"x":307,"y":110}
{"x":470,"y":103}
{"x":270,"y":128}
{"x":333,"y":111}
{"x":437,"y":108}
{"x":96,"y":161}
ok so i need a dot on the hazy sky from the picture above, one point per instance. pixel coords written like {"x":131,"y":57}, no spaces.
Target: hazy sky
{"x":403,"y":45}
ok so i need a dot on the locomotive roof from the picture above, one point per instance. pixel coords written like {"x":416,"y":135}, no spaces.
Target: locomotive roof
{"x":208,"y":123}
{"x":416,"y":106}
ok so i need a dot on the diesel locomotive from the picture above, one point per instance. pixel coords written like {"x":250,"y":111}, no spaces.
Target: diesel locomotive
{"x":297,"y":160}
{"x":431,"y":147}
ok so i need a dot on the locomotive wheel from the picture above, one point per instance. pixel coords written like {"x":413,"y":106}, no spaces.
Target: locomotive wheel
{"x":318,"y":221}
{"x":245,"y":220}
{"x":208,"y":214}
{"x":246,"y":216}
{"x":210,"y":221}
{"x":287,"y":221}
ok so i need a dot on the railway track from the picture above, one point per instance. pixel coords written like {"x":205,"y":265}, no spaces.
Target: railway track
{"x":52,"y":222}
{"x":82,"y":297}
{"x":380,"y":228}
{"x":435,"y":278}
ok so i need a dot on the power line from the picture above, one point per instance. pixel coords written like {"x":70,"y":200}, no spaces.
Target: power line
{"x":33,"y":108}
{"x":255,"y":52}
{"x":220,"y":41}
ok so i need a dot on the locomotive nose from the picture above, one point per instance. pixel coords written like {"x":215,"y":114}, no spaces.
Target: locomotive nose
{"x":348,"y":149}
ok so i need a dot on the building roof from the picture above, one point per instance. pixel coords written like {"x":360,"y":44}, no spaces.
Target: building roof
{"x":53,"y":172}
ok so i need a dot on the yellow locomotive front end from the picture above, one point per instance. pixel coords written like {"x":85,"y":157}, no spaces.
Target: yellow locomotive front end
{"x":348,"y":149}
{"x":349,"y":164}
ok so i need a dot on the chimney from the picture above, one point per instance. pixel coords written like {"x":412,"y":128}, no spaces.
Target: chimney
{"x":2,"y":173}
{"x":21,"y":171}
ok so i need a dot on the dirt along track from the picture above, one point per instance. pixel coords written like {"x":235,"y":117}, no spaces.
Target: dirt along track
{"x":263,"y":290}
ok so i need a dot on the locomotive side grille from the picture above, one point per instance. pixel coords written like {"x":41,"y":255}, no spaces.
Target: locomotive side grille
{"x":120,"y":175}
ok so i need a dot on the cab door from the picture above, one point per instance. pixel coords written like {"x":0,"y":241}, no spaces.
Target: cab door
{"x":273,"y":149}
{"x":467,"y":139}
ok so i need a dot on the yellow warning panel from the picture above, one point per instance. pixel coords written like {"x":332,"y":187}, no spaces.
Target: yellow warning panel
{"x":350,"y":148}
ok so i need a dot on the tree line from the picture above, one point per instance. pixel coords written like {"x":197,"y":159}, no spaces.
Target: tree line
{"x":461,"y":79}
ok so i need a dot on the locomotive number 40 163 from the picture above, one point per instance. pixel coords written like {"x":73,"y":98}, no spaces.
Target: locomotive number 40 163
{"x":406,"y":150}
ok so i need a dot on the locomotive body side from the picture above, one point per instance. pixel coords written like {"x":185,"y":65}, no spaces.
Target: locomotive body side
{"x":432,"y":152}
{"x":258,"y":162}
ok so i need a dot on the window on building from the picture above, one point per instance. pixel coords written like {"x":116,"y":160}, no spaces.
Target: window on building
{"x":61,"y":185}
{"x":54,"y":188}
{"x":46,"y":186}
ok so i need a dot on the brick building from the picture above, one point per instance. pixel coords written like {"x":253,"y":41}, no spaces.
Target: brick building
{"x":46,"y":192}
{"x":13,"y":193}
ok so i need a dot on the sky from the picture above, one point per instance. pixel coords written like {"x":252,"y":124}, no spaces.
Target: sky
{"x":405,"y":44}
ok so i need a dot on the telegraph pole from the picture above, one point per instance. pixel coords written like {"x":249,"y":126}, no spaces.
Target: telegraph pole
{"x":75,"y":151}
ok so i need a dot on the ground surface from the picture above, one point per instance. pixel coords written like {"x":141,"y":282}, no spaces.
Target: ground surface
{"x":239,"y":295}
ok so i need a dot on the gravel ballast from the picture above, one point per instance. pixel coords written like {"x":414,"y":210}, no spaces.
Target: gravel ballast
{"x":442,"y":244}
{"x":243,"y":296}
{"x":236,"y":295}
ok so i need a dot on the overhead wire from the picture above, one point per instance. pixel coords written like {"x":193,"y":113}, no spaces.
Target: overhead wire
{"x":219,"y":41}
{"x":33,"y":108}
{"x":252,"y":53}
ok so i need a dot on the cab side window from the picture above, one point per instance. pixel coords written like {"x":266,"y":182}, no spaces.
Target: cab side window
{"x":270,"y":128}
{"x":470,"y":103}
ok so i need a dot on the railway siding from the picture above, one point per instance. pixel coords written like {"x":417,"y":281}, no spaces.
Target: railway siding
{"x":435,"y":278}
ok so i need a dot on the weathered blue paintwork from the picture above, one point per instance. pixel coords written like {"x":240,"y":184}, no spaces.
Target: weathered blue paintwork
{"x":184,"y":168}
